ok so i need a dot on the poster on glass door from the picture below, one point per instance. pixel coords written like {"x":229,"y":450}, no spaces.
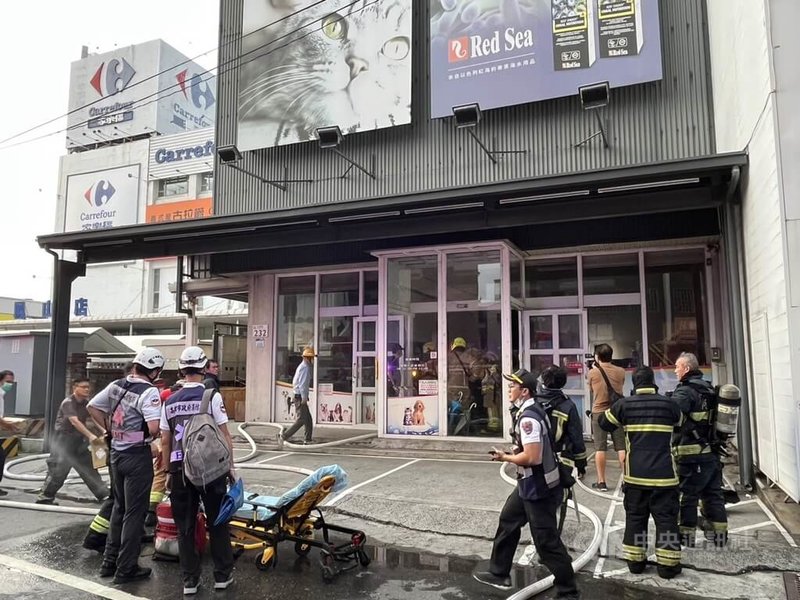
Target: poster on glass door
{"x":285,"y":409}
{"x":334,"y":407}
{"x":413,"y":415}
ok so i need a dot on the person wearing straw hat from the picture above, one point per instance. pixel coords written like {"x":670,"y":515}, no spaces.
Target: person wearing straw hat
{"x":301,"y":384}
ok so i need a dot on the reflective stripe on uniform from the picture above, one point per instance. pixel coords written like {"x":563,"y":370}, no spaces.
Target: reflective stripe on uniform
{"x":633,"y":553}
{"x":156,"y":497}
{"x":692,"y":450}
{"x":579,"y":456}
{"x":100,"y":525}
{"x":671,"y":482}
{"x":699,"y":416}
{"x":686,"y":530}
{"x":717,"y":526}
{"x":567,"y":461}
{"x":650,"y":427}
{"x":561,"y":419}
{"x":668,"y":558}
{"x":611,"y":417}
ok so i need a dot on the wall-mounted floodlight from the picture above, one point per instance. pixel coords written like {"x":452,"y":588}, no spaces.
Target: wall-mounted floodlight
{"x":467,"y":117}
{"x":230,"y":155}
{"x":330,"y":137}
{"x":593,"y":97}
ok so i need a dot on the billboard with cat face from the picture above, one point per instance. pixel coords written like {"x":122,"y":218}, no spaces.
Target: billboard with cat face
{"x":506,"y":52}
{"x":338,"y":62}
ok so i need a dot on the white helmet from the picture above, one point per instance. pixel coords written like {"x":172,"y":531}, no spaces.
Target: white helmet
{"x":193,"y":357}
{"x":149,"y":358}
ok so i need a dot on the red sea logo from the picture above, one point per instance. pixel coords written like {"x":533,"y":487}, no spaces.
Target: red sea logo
{"x":112,"y":77}
{"x":458,"y":49}
{"x":197,"y":88}
{"x":527,"y":427}
{"x":100,"y":193}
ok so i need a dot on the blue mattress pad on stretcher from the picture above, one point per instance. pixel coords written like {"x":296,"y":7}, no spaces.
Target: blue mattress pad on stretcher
{"x":262,"y":514}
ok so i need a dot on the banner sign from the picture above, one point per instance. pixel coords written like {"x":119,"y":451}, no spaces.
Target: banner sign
{"x":184,"y":210}
{"x":335,"y":63}
{"x":102,"y":199}
{"x":504,"y":52}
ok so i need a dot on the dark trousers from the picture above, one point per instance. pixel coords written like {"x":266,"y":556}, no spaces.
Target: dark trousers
{"x":2,"y":461}
{"x":542,"y":516}
{"x":185,"y":498}
{"x":662,"y":504}
{"x":71,"y":452}
{"x":131,"y":476}
{"x":702,"y":482}
{"x":303,"y":420}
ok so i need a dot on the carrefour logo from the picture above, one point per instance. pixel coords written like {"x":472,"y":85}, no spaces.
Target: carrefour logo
{"x":479,"y":46}
{"x":196,"y":89}
{"x":100,"y":193}
{"x":113,"y":77}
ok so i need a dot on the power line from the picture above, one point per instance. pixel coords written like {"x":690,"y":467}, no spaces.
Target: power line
{"x":187,"y":61}
{"x":157,"y":95}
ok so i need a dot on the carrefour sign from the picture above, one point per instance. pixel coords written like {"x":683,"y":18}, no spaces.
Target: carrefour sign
{"x":175,"y":154}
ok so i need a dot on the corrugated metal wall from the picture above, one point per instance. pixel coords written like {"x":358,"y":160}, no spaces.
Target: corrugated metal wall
{"x":653,"y":122}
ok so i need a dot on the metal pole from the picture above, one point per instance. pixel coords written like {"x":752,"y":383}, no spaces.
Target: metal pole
{"x":64,"y":273}
{"x":734,"y":265}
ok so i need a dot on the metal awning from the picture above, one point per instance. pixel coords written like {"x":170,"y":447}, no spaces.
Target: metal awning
{"x":651,"y":188}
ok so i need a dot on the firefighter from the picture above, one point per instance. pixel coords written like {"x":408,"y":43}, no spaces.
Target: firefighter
{"x":699,"y":465}
{"x":651,"y":481}
{"x":566,"y":424}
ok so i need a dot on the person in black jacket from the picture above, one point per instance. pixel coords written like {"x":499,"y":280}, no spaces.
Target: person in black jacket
{"x":564,"y":418}
{"x":211,"y":380}
{"x":699,"y":466}
{"x":651,"y":481}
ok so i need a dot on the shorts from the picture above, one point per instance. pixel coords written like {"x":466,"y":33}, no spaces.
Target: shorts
{"x":600,"y":436}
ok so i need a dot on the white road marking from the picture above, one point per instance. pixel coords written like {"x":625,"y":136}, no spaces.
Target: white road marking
{"x":749,"y":527}
{"x":277,"y":456}
{"x":398,"y":458}
{"x":598,"y":568}
{"x":90,"y":587}
{"x":777,"y":523}
{"x":352,"y":489}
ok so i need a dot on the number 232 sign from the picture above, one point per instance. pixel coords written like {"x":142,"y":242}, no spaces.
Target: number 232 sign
{"x":259,"y":331}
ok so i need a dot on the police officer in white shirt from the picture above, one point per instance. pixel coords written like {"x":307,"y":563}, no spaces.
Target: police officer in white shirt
{"x":129,"y":409}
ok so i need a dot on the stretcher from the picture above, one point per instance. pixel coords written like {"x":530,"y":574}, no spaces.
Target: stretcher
{"x":263,"y":522}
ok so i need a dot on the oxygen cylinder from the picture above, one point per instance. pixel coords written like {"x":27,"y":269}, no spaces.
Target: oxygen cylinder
{"x":729,"y":399}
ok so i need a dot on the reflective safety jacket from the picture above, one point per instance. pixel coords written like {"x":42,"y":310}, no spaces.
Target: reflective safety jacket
{"x":696,"y":399}
{"x":565,"y":425}
{"x":536,"y":482}
{"x":649,"y":421}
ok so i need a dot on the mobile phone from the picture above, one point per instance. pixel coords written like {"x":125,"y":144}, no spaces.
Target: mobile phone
{"x":494,"y":451}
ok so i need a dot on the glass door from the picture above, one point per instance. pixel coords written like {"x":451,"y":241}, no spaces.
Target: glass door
{"x":558,"y":337}
{"x":364,"y":368}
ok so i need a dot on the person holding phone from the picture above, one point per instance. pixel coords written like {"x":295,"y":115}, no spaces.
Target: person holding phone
{"x":537,"y":498}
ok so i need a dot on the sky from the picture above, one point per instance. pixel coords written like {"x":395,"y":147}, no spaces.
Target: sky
{"x":39,"y":39}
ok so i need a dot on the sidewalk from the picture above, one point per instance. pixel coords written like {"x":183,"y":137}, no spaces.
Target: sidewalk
{"x":448,"y":504}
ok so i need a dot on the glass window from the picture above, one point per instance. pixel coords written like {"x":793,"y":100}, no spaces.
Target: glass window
{"x":621,"y":328}
{"x":370,"y":288}
{"x":339,"y":289}
{"x":335,"y":354}
{"x":474,"y":276}
{"x":207,"y":182}
{"x":411,"y":354}
{"x":293,"y":332}
{"x":551,"y":277}
{"x":156,"y":289}
{"x":515,"y":268}
{"x":674,"y":284}
{"x":176,"y":186}
{"x":611,"y":274}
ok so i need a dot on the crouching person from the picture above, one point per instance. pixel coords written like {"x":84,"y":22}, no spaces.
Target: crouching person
{"x":197,"y":452}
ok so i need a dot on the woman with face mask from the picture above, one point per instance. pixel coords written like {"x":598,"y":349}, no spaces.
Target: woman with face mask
{"x":6,"y":385}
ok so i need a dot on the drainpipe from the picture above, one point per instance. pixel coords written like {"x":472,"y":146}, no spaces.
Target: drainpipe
{"x":64,"y":273}
{"x":734,"y":259}
{"x":179,"y":307}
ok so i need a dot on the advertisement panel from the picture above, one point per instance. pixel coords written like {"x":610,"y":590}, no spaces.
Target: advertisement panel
{"x":334,"y":63}
{"x":505,"y":52}
{"x":142,"y":89}
{"x":334,"y":407}
{"x":413,"y":415}
{"x":102,"y":199}
{"x":183,"y":210}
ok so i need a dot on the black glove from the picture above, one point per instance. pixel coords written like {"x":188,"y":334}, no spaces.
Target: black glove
{"x":580,"y":464}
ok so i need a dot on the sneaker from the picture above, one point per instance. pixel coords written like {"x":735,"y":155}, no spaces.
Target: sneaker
{"x":221,"y":585}
{"x":107,"y":569}
{"x":46,"y":500}
{"x":600,"y":486}
{"x":190,"y":586}
{"x":136,"y":575}
{"x":496,"y":581}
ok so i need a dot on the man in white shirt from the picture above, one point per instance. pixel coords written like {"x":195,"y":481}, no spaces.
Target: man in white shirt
{"x":301,"y":384}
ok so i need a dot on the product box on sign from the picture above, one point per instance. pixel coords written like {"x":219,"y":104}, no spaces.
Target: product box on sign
{"x":620,"y":28}
{"x":573,"y":34}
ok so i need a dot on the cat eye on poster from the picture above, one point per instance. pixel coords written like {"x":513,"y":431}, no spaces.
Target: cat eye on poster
{"x":309,"y":65}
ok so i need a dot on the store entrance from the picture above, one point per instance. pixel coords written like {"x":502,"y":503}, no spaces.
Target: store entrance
{"x":558,"y":337}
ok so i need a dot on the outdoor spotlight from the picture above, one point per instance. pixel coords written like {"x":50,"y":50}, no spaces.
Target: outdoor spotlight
{"x":466,"y":115}
{"x":594,"y":95}
{"x":229,"y":154}
{"x":329,"y":137}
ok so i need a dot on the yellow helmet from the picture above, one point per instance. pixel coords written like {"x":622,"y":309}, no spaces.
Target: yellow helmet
{"x":308,"y":352}
{"x":459,"y":342}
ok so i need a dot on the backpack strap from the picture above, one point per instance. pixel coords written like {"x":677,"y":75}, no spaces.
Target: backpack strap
{"x":611,"y":391}
{"x":207,"y":395}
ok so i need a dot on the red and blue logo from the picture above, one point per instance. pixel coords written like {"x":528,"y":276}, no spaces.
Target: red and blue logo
{"x":112,"y":77}
{"x":100,"y":193}
{"x":196,"y":89}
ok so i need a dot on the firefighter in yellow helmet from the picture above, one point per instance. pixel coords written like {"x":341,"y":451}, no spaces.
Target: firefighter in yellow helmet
{"x":466,"y":369}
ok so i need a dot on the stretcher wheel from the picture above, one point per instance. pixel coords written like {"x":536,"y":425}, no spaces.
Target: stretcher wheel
{"x":328,"y":567}
{"x":301,"y":548}
{"x":363,"y":558}
{"x":265,"y":559}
